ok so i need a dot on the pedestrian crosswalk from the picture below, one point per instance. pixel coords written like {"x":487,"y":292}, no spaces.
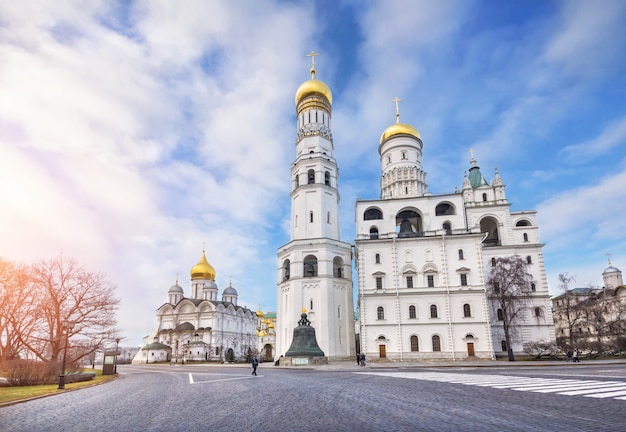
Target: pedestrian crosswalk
{"x":569,"y":387}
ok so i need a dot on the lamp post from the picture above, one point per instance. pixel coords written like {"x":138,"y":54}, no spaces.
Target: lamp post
{"x":66,"y":326}
{"x":117,"y":343}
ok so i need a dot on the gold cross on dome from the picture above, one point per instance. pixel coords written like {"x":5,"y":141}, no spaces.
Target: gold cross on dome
{"x":397,"y":100}
{"x":472,"y":153}
{"x":609,"y":257}
{"x":313,"y":54}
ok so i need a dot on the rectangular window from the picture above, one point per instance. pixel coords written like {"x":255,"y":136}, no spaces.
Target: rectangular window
{"x":463,"y":280}
{"x":379,"y":283}
{"x":431,"y":281}
{"x":409,"y":281}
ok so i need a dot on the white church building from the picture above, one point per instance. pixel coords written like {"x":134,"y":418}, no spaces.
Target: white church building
{"x":422,"y":261}
{"x":201,"y":326}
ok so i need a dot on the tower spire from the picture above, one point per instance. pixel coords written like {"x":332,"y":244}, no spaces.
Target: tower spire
{"x":397,"y":100}
{"x":312,"y":54}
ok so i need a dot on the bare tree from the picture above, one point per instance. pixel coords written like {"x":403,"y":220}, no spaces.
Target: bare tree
{"x":569,"y":312}
{"x":601,"y":315}
{"x":72,"y":303}
{"x":18,"y":313}
{"x":509,"y":291}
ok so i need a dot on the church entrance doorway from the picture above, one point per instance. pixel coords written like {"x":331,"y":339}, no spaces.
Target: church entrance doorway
{"x":267,"y":353}
{"x":470,"y":349}
{"x":382,"y":351}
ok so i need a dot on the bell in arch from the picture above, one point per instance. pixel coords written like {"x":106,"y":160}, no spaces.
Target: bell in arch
{"x":406,"y":230}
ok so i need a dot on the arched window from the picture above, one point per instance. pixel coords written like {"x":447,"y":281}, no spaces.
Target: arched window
{"x":436,"y":343}
{"x":503,"y":345}
{"x":461,"y":254}
{"x":538,"y":312}
{"x":529,"y":260}
{"x":404,"y":155}
{"x":372,"y":214}
{"x":377,"y":258}
{"x":373,"y":233}
{"x":286,"y":269}
{"x":311,"y":304}
{"x":447,"y":227}
{"x":433,"y":311}
{"x":310,"y":266}
{"x":533,"y":287}
{"x":467,"y":311}
{"x":444,"y":209}
{"x":311,"y":176}
{"x":523,"y":222}
{"x":525,"y":237}
{"x":412,"y":314}
{"x":338,"y":267}
{"x":311,"y":216}
{"x":297,"y":179}
{"x":380,"y":311}
{"x":414,"y":344}
{"x":500,"y":315}
{"x":328,"y":217}
{"x":327,"y":178}
{"x":484,"y":197}
{"x":493,"y":262}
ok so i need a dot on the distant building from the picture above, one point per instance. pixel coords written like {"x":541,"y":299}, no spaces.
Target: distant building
{"x":201,"y":327}
{"x":266,"y":335}
{"x":593,"y":319}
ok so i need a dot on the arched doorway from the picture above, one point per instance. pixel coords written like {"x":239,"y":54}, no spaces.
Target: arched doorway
{"x":267,"y":353}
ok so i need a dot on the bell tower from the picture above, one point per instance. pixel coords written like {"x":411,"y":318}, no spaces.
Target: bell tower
{"x":315,"y":267}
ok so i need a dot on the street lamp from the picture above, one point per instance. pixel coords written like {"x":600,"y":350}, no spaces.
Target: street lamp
{"x":117,"y":343}
{"x":67,"y":327}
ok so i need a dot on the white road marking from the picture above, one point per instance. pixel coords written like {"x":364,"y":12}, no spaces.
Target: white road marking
{"x":232,"y":378}
{"x":567,"y":387}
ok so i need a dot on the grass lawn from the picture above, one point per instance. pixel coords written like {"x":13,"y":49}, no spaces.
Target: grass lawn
{"x":12,"y":394}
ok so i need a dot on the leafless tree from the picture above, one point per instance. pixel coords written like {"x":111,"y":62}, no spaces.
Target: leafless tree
{"x":73,"y":303}
{"x":509,"y":292}
{"x":18,"y":314}
{"x":569,"y":311}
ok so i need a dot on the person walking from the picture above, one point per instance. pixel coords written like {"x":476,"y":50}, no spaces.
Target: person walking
{"x":569,"y":355}
{"x":255,"y":364}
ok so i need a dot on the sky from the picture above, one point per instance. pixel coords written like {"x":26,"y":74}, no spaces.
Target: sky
{"x":133,"y":134}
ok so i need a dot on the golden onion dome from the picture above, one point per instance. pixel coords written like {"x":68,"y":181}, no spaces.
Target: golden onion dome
{"x":399,"y":129}
{"x":203,"y":270}
{"x":313,"y":87}
{"x":270,"y":325}
{"x":259,"y":312}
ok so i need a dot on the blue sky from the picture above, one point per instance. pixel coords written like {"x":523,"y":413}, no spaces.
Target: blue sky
{"x":133,"y":134}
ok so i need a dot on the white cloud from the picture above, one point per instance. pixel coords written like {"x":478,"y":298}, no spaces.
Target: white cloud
{"x":612,"y":136}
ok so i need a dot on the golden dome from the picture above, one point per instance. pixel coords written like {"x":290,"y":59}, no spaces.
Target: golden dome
{"x":270,"y":325}
{"x":399,"y":129}
{"x":203,"y":270}
{"x":313,"y":87}
{"x":259,"y":312}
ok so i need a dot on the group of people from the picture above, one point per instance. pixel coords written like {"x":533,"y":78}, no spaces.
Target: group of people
{"x":360,"y":359}
{"x":573,"y":356}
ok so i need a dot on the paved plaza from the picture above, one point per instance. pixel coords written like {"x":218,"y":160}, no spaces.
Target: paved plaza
{"x":438,"y":396}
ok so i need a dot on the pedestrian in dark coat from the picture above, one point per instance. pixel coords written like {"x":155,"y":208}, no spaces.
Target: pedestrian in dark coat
{"x":255,"y":364}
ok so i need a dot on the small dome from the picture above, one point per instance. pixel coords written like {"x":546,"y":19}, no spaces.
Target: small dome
{"x":399,"y":129}
{"x":313,"y":87}
{"x":230,"y":291}
{"x":209,"y":285}
{"x":611,"y":269}
{"x":259,"y":312}
{"x":176,"y":288}
{"x":270,"y":325}
{"x":203,"y":270}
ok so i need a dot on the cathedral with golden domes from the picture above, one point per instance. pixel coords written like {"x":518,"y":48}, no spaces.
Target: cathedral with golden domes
{"x":203,"y":327}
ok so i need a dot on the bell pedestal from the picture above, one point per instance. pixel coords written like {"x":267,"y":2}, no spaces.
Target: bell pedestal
{"x":304,"y":350}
